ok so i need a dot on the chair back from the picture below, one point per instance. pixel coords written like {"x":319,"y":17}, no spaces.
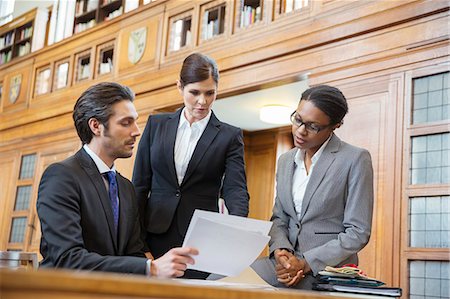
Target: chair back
{"x":18,"y":260}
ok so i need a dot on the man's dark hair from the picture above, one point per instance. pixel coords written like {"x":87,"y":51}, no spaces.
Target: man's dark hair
{"x":96,"y":102}
{"x":329,"y":99}
{"x":198,"y":67}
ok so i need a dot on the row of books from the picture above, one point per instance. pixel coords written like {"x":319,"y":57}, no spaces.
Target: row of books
{"x":5,"y":57}
{"x":6,"y":40}
{"x":84,"y":71}
{"x":24,"y":49}
{"x":83,"y":6}
{"x":250,"y":15}
{"x":350,"y":279}
{"x":114,"y":14}
{"x":26,"y":32}
{"x":84,"y":26}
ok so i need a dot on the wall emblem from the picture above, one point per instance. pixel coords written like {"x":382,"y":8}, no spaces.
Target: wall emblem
{"x":136,"y":44}
{"x":14,"y":89}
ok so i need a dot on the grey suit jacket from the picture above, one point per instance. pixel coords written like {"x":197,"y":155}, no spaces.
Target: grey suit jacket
{"x":77,"y":220}
{"x":336,"y":214}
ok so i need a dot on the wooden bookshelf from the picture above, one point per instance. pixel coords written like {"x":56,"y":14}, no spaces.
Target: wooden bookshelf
{"x":23,"y":35}
{"x":88,"y":13}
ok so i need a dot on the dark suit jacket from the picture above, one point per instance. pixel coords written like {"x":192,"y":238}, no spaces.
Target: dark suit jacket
{"x":215,"y":169}
{"x":77,"y":221}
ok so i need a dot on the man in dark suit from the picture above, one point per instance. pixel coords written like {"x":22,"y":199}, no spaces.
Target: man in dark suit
{"x":88,"y":213}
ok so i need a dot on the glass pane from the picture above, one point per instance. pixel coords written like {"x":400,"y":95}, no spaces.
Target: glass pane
{"x":22,"y":198}
{"x":429,"y":221}
{"x":430,"y":159}
{"x":430,"y":98}
{"x":27,"y":166}
{"x":18,"y":229}
{"x":62,"y":73}
{"x":429,"y":279}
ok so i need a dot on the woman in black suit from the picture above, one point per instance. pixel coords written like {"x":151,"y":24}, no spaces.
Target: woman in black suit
{"x":187,"y":160}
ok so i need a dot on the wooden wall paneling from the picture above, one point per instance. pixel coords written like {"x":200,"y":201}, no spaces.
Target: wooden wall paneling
{"x":260,"y":161}
{"x":151,"y":54}
{"x":9,"y":165}
{"x":22,"y":71}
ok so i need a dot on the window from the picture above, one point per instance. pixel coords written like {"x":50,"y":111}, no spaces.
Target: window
{"x":20,"y":215}
{"x":287,"y":6}
{"x":83,"y":65}
{"x":105,"y":55}
{"x":249,"y":12}
{"x":426,"y":246}
{"x":180,"y":31}
{"x":213,"y":20}
{"x":61,"y":78}
{"x":429,"y":279}
{"x":42,"y":85}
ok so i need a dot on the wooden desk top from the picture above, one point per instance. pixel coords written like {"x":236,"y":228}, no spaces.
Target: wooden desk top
{"x":50,"y":284}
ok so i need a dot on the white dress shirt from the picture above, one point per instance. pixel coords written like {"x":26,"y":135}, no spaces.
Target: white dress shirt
{"x":301,"y":177}
{"x":186,"y":141}
{"x":101,"y":166}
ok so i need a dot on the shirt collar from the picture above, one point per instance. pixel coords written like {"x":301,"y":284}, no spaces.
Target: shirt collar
{"x":201,"y":124}
{"x":300,"y":154}
{"x":101,"y":166}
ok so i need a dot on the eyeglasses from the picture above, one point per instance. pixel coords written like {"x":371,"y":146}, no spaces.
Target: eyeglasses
{"x":309,"y":127}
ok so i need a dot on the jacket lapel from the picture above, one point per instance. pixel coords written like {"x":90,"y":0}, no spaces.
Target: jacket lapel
{"x":91,"y":169}
{"x":169,"y":142}
{"x":320,"y":169}
{"x":211,"y":130}
{"x":286,"y":179}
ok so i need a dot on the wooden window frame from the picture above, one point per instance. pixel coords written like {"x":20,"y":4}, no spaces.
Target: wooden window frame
{"x":208,"y":6}
{"x":37,"y":72}
{"x":100,"y":49}
{"x":171,"y":20}
{"x":408,"y":253}
{"x":305,"y":11}
{"x":55,"y":73}
{"x":237,"y":16}
{"x":79,"y":56}
{"x":30,"y":212}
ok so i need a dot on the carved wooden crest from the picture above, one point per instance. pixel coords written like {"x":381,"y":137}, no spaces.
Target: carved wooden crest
{"x":14,"y":88}
{"x":136,"y":44}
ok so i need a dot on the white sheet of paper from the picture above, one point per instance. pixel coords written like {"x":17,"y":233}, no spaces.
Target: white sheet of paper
{"x":226,"y":245}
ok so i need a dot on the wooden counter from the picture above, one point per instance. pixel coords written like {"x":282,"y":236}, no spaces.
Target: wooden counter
{"x":51,"y":284}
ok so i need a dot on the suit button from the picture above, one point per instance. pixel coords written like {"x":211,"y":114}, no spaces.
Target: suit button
{"x":178,"y":193}
{"x":298,"y":225}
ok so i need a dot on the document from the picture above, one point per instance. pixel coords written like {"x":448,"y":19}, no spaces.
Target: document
{"x":227,"y":244}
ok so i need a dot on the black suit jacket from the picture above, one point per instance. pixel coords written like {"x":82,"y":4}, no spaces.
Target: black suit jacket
{"x":77,"y":221}
{"x":215,"y":169}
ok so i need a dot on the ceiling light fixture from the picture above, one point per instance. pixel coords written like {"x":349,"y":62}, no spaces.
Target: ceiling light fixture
{"x":275,"y":114}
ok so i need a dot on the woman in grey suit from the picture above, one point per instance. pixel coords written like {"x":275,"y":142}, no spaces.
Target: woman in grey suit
{"x":323,"y":209}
